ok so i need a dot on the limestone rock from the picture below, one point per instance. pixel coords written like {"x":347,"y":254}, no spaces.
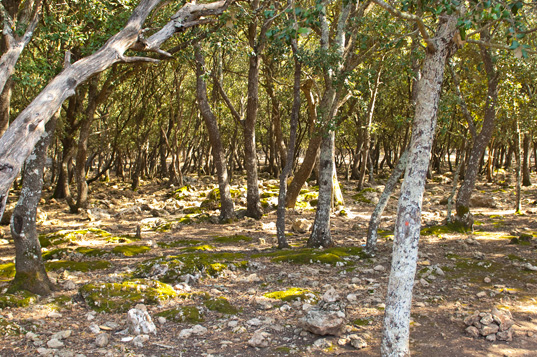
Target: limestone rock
{"x":357,"y":342}
{"x":301,"y":225}
{"x":260,"y":338}
{"x":483,"y":201}
{"x":140,"y":340}
{"x":140,"y":322}
{"x":55,"y":343}
{"x":321,"y":322}
{"x":102,"y":340}
{"x":472,"y":331}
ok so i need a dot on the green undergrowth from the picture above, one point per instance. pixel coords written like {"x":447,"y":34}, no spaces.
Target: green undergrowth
{"x":179,"y":194}
{"x":178,"y":243}
{"x":212,"y":201}
{"x":237,"y":238}
{"x":130,"y":250}
{"x":120,"y":297}
{"x":362,"y":322}
{"x":388,"y":235}
{"x":7,"y":270}
{"x":474,"y":270}
{"x":190,"y":314}
{"x":220,"y":304}
{"x":338,"y":256}
{"x":294,"y":294}
{"x":443,"y":229}
{"x":60,"y":302}
{"x":91,"y":252}
{"x":21,"y":298}
{"x":77,"y":266}
{"x":187,"y":219}
{"x":55,"y":253}
{"x":361,"y":197}
{"x":170,"y":269}
{"x":65,"y":236}
{"x":124,"y":238}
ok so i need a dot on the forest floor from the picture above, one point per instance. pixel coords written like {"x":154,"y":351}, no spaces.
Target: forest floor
{"x":458,"y":273}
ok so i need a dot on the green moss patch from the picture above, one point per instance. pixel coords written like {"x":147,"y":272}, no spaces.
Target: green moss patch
{"x":439,"y":230}
{"x":203,"y":247}
{"x":64,"y":236}
{"x":179,"y":194}
{"x":222,"y":305}
{"x":362,"y":322}
{"x":21,"y":298}
{"x":193,"y":210}
{"x":339,"y":256}
{"x":169,"y":226}
{"x":91,"y":252}
{"x":294,"y":294}
{"x":56,"y":253}
{"x":268,"y":194}
{"x":115,"y":297}
{"x":7,"y":270}
{"x":130,"y":250}
{"x":190,"y":314}
{"x":77,"y":266}
{"x":122,"y":239}
{"x":60,"y":302}
{"x":170,"y":269}
{"x":237,"y":238}
{"x":9,"y":328}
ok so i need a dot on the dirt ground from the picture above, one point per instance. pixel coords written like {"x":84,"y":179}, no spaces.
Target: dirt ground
{"x":485,"y":260}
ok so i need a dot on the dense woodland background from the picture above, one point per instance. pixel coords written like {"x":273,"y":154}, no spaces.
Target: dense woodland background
{"x":246,"y":91}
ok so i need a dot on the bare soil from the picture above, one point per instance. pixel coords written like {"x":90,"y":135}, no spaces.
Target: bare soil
{"x":440,"y":302}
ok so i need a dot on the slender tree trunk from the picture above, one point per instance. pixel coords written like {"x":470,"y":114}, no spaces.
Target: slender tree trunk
{"x":5,"y":104}
{"x":526,"y":181}
{"x":295,"y":113}
{"x":518,"y":142}
{"x":462,"y":206}
{"x":30,"y":270}
{"x":374,"y":221}
{"x":320,"y":235}
{"x":227,"y":209}
{"x":395,"y":337}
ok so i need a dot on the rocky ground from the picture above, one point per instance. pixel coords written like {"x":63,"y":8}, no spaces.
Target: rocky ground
{"x":186,"y":286}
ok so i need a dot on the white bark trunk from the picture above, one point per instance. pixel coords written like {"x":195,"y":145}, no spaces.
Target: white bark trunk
{"x":395,"y":336}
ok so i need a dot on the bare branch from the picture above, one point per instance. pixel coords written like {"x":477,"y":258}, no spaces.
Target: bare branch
{"x":496,"y":45}
{"x":464,"y":107}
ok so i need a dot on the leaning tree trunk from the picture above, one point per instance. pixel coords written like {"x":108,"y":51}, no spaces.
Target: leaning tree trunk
{"x":320,"y":235}
{"x":30,"y":271}
{"x":5,"y":104}
{"x":374,"y":221}
{"x":227,"y":209}
{"x":22,"y":135}
{"x":526,"y":181}
{"x":462,"y":205}
{"x":395,"y":337}
{"x":295,"y":113}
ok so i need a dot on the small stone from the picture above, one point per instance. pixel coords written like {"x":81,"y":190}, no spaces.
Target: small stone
{"x":199,"y":330}
{"x":331,"y":295}
{"x":32,"y":336}
{"x":260,"y":339}
{"x":102,"y":340}
{"x":45,"y":351}
{"x":322,"y":343}
{"x":489,"y":329}
{"x":424,"y":282}
{"x":470,"y":320}
{"x":481,"y":294}
{"x":54,"y":314}
{"x":55,"y":343}
{"x":254,"y":322}
{"x":301,"y":225}
{"x":487,"y":280}
{"x":505,"y":335}
{"x":322,"y":322}
{"x":161,"y":320}
{"x":472,"y":331}
{"x":487,"y":319}
{"x":95,"y":328}
{"x":285,"y":308}
{"x":379,"y":268}
{"x":491,"y":337}
{"x":62,"y":335}
{"x":357,"y":342}
{"x":185,"y":333}
{"x":69,"y":285}
{"x":232,"y":323}
{"x":140,"y":340}
{"x":352,"y":298}
{"x":140,"y":322}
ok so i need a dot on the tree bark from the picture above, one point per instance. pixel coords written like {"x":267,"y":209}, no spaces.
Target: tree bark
{"x":20,"y":138}
{"x":526,"y":181}
{"x":227,"y":209}
{"x":518,"y":142}
{"x":395,"y":337}
{"x":30,"y":271}
{"x":462,"y":206}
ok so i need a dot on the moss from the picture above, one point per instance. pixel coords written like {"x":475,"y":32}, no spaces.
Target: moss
{"x":55,"y":253}
{"x":7,"y":270}
{"x":310,"y":196}
{"x":130,"y":250}
{"x":196,"y":264}
{"x":190,"y":314}
{"x":59,"y":303}
{"x":362,"y":322}
{"x":462,"y":210}
{"x":122,"y":239}
{"x":9,"y":328}
{"x":166,"y":227}
{"x":233,"y":239}
{"x":222,"y":305}
{"x":515,"y":257}
{"x":77,"y":266}
{"x":268,"y":194}
{"x":115,"y":297}
{"x":197,"y":295}
{"x":293,"y":294}
{"x":21,"y":298}
{"x":439,"y":230}
{"x":192,"y":210}
{"x":332,"y":256}
{"x":91,"y":252}
{"x":64,"y":236}
{"x":203,"y":247}
{"x":178,"y":243}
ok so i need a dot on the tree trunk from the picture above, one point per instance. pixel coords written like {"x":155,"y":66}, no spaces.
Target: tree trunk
{"x":395,"y":337}
{"x":526,"y":181}
{"x":227,"y":209}
{"x":374,"y":221}
{"x":5,"y":104}
{"x":30,"y":271}
{"x":462,"y":205}
{"x":518,"y":203}
{"x":320,"y":235}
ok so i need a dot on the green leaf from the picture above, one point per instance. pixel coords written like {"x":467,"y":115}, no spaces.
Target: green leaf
{"x":514,"y":44}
